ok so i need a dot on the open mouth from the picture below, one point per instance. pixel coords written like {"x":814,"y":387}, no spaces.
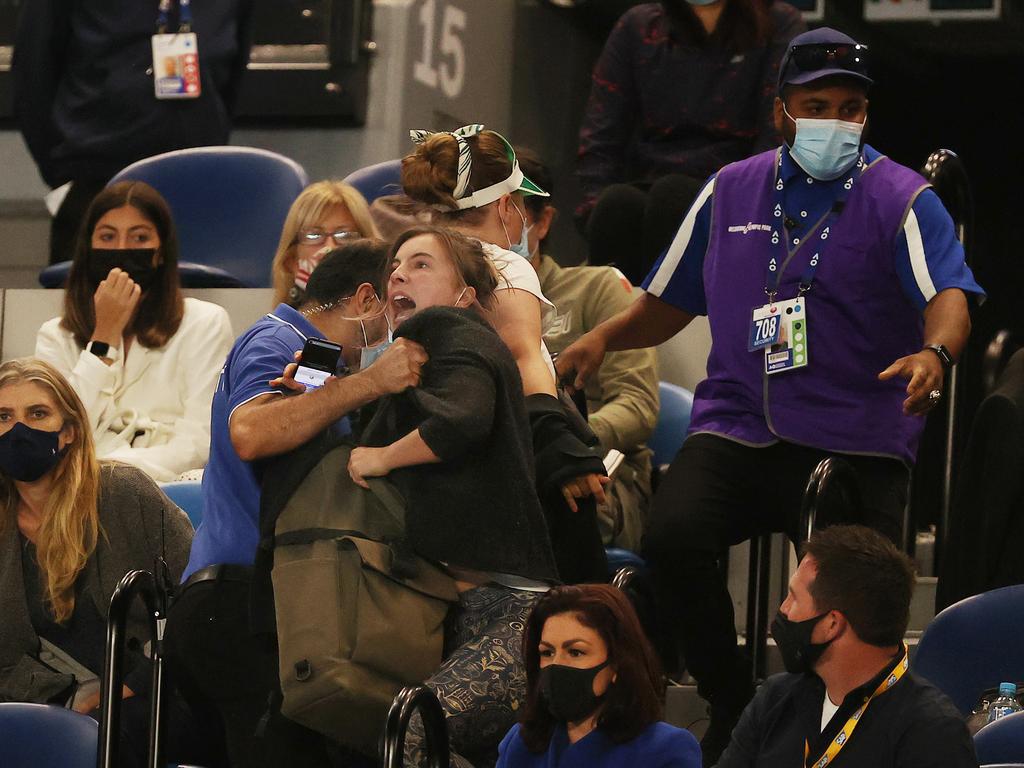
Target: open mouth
{"x":402,"y":303}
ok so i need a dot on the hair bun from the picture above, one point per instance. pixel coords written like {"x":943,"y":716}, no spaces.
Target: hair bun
{"x":430,"y":172}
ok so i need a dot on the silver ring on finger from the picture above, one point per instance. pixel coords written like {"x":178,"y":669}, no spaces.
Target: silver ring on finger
{"x":934,"y":396}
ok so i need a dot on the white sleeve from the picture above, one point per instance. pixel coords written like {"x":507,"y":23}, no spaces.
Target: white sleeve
{"x":201,"y":345}
{"x":516,"y":272}
{"x":92,"y":379}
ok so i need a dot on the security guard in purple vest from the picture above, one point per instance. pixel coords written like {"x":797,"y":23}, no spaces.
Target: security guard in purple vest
{"x":837,"y":297}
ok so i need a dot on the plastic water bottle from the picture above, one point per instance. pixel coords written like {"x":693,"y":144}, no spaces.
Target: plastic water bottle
{"x":1005,"y":704}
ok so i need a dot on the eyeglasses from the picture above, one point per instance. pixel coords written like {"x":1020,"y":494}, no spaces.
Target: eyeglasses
{"x":318,"y":237}
{"x":815,"y":56}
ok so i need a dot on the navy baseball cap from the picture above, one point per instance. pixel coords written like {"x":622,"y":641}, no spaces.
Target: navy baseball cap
{"x":820,"y":53}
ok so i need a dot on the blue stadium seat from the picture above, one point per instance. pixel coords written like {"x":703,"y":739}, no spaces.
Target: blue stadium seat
{"x":1001,"y":741}
{"x":378,"y":180}
{"x":673,"y":421}
{"x":188,"y":495}
{"x":622,"y":558}
{"x":229,"y":206}
{"x":974,"y":645}
{"x":42,"y":736}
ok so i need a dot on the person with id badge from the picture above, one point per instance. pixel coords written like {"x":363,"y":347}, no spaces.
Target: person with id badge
{"x":837,"y":296}
{"x":100,"y":84}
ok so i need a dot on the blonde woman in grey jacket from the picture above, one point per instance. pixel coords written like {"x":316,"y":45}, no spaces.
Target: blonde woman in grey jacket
{"x":70,"y":528}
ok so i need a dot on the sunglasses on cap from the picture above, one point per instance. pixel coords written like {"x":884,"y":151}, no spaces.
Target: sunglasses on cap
{"x":815,"y":56}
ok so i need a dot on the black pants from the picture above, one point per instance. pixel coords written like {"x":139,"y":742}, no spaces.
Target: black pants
{"x":216,"y":659}
{"x":64,"y":228}
{"x":718,"y":493}
{"x":632,"y":224}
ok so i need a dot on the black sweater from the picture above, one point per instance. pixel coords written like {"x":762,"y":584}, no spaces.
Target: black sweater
{"x":83,"y":83}
{"x":478,"y":508}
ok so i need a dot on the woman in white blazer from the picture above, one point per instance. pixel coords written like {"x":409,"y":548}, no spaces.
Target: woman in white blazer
{"x":143,"y":359}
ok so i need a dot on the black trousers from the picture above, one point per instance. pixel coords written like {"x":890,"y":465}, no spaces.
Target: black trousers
{"x":631,"y":224}
{"x":215,"y":659}
{"x":65,"y":226}
{"x":718,"y":493}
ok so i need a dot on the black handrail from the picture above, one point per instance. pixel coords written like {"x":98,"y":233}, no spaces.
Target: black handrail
{"x":435,"y":728}
{"x":143,"y":584}
{"x":947,"y":174}
{"x":997,"y":353}
{"x":831,"y":472}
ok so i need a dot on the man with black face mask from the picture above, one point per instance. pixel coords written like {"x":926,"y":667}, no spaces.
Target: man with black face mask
{"x":848,"y":694}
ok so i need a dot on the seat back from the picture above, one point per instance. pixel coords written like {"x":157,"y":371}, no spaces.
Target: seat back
{"x":44,"y":736}
{"x":378,"y":180}
{"x":188,"y":495}
{"x":1001,"y":741}
{"x":229,"y":204}
{"x":974,"y":645}
{"x":673,"y":421}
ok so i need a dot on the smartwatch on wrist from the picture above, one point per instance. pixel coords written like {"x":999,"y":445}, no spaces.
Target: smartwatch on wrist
{"x":944,"y":357}
{"x":102,"y":349}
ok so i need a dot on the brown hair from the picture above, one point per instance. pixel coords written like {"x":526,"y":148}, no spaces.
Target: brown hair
{"x":161,"y":308}
{"x":467,"y":255}
{"x":430,"y":173}
{"x":633,"y":701}
{"x":743,"y":25}
{"x":70,"y":526}
{"x":312,"y":203}
{"x":861,"y":574}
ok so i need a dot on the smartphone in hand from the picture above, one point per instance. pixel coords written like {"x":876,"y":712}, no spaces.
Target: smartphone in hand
{"x":319,"y":362}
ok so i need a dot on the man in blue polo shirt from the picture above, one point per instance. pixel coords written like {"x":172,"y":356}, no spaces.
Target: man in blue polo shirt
{"x":836,"y":292}
{"x":210,"y":643}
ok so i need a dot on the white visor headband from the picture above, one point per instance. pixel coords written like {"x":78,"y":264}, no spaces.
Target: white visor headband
{"x":516,"y":181}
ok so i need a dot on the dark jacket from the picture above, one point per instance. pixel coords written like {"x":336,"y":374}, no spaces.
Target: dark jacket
{"x":83,"y":83}
{"x":912,"y":725}
{"x":138,"y":522}
{"x":478,"y":508}
{"x":986,"y":531}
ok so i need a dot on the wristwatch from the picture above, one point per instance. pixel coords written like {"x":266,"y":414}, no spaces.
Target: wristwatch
{"x":944,"y":357}
{"x":102,"y":349}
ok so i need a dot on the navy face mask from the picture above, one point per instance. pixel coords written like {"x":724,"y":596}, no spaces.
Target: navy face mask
{"x":26,"y":454}
{"x":137,"y":262}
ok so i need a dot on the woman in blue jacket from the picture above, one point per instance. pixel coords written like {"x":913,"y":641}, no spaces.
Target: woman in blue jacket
{"x":594,"y":689}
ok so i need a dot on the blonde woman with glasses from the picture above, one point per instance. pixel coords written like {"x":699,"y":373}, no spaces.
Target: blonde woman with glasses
{"x":70,"y":528}
{"x":327,"y":214}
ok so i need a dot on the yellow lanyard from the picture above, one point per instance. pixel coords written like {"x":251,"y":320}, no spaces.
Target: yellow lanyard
{"x":846,"y":733}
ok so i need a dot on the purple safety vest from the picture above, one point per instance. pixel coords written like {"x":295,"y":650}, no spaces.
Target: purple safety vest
{"x":859,"y":320}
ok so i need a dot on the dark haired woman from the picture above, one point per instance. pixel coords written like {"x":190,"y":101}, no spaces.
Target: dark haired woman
{"x":594,"y":689}
{"x":143,"y":358}
{"x":682,"y":88}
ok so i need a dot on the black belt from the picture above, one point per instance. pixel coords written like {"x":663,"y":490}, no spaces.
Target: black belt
{"x":220,"y":572}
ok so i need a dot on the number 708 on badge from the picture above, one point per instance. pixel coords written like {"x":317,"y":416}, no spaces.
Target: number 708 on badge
{"x":765,"y":327}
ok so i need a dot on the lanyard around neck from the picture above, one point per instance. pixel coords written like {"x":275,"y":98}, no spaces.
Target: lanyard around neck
{"x":779,"y":252}
{"x":163,"y":19}
{"x":846,"y":733}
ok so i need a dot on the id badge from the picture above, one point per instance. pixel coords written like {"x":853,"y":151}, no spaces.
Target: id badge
{"x":765,"y":326}
{"x":176,"y":66}
{"x":790,"y":350}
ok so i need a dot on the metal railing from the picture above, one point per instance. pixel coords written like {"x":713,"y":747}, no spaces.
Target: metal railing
{"x":946,"y":172}
{"x":435,"y":729}
{"x":142,"y":584}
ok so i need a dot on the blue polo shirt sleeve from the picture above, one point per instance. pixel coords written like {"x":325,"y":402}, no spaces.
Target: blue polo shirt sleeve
{"x":929,"y":258}
{"x":259,"y":360}
{"x":678,"y":275}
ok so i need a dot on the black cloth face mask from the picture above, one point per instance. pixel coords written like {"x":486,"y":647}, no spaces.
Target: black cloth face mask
{"x":26,"y":454}
{"x":569,"y":691}
{"x":799,"y":654}
{"x":137,"y":262}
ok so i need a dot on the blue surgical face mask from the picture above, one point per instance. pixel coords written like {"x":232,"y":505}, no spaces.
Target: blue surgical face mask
{"x":826,"y":149}
{"x":523,"y":246}
{"x":368,"y":355}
